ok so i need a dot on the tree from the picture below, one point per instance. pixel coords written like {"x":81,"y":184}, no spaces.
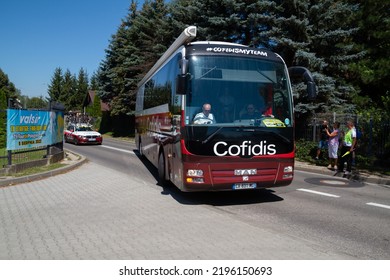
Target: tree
{"x":36,"y":103}
{"x":242,"y":22}
{"x":316,"y":35}
{"x":80,"y":91}
{"x":372,"y":73}
{"x":303,"y":32}
{"x":3,"y":116}
{"x":7,"y":86}
{"x":55,"y":87}
{"x":112,"y":72}
{"x":140,"y":40}
{"x":94,"y":83}
{"x":96,"y":107}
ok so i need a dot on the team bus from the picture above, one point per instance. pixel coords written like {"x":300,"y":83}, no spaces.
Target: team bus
{"x":233,"y":149}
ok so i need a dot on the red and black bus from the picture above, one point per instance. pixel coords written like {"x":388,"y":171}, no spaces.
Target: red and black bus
{"x":238,"y":149}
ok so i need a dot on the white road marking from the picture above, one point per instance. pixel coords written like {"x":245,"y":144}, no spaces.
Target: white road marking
{"x":320,"y":193}
{"x":378,"y":205}
{"x":120,"y":150}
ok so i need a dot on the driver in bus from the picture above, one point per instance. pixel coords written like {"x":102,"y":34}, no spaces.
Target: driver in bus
{"x":266,"y":103}
{"x":204,"y":117}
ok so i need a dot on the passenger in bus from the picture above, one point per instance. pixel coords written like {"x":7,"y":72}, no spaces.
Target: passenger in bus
{"x":265,"y":94}
{"x":268,"y":110}
{"x":204,"y":117}
{"x":227,"y":106}
{"x":251,"y":113}
{"x":261,"y":104}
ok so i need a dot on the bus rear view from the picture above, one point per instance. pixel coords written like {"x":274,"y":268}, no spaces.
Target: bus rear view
{"x":222,"y":118}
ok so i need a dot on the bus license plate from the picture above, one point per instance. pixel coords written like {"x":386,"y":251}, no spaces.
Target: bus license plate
{"x":244,"y":186}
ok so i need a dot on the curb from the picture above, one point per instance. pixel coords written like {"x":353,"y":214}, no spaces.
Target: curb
{"x":29,"y":178}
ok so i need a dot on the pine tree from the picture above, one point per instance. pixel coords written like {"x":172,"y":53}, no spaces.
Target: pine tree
{"x":3,"y":116}
{"x":94,"y":82}
{"x":36,"y":103}
{"x":55,"y":87}
{"x":96,"y":108}
{"x":81,"y":90}
{"x":225,"y":20}
{"x":318,"y":36}
{"x":7,"y":86}
{"x":68,"y":90}
{"x":140,"y":40}
{"x":372,"y":73}
{"x":112,"y":72}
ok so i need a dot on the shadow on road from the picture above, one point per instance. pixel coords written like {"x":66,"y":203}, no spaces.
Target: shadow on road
{"x":211,"y":198}
{"x":334,"y":182}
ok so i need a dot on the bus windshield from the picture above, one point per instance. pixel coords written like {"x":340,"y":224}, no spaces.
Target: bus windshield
{"x":238,"y":91}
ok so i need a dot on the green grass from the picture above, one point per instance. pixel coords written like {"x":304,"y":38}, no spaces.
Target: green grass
{"x":128,"y":138}
{"x":40,"y":169}
{"x":22,"y":157}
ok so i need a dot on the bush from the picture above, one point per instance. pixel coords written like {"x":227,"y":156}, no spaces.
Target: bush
{"x":307,"y":151}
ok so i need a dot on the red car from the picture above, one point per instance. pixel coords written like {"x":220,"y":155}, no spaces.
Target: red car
{"x":82,"y":134}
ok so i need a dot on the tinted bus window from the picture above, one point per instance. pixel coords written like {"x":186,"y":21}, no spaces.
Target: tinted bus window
{"x":234,"y":85}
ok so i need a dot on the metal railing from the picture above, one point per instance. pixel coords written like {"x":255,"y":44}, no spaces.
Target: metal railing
{"x":9,"y":158}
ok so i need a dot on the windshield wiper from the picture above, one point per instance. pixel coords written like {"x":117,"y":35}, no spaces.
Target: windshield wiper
{"x":211,"y":69}
{"x":212,"y":135}
{"x":265,"y":76}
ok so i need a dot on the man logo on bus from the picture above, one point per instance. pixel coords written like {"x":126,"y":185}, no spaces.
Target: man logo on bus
{"x":245,"y":149}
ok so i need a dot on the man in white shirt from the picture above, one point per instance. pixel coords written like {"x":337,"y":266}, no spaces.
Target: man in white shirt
{"x":204,"y":117}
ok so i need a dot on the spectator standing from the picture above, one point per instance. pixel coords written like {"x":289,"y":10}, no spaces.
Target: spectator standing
{"x":348,"y":146}
{"x":323,"y":144}
{"x":333,"y":145}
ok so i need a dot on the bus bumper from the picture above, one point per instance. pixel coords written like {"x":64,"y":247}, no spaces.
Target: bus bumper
{"x":231,"y":176}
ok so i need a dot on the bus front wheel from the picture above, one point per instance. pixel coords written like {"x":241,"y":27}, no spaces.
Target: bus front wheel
{"x":140,"y":148}
{"x":161,"y":168}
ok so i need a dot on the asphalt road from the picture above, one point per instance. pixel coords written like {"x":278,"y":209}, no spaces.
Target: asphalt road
{"x":341,"y":215}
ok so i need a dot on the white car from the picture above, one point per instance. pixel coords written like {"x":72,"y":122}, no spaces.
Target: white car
{"x":82,"y":134}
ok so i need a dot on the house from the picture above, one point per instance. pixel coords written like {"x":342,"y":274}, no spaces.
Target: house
{"x":88,"y":102}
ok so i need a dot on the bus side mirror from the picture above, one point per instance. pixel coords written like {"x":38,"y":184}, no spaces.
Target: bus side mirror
{"x":311,"y":90}
{"x":298,"y":72}
{"x":181,"y":84}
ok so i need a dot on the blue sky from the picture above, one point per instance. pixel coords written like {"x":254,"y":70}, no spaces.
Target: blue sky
{"x":38,"y":36}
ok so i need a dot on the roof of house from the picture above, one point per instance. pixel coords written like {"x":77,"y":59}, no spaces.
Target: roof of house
{"x":89,"y":100}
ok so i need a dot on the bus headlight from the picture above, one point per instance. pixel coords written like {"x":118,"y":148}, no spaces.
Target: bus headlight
{"x":288,"y":169}
{"x":195,"y":176}
{"x":195,"y":180}
{"x":195,"y":172}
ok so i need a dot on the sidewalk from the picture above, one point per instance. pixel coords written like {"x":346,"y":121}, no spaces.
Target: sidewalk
{"x":73,"y":161}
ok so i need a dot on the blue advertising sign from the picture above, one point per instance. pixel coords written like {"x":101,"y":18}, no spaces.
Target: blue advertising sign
{"x":31,"y":129}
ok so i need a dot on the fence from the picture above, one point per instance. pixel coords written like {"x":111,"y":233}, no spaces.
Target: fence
{"x":8,"y":158}
{"x":375,"y":135}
